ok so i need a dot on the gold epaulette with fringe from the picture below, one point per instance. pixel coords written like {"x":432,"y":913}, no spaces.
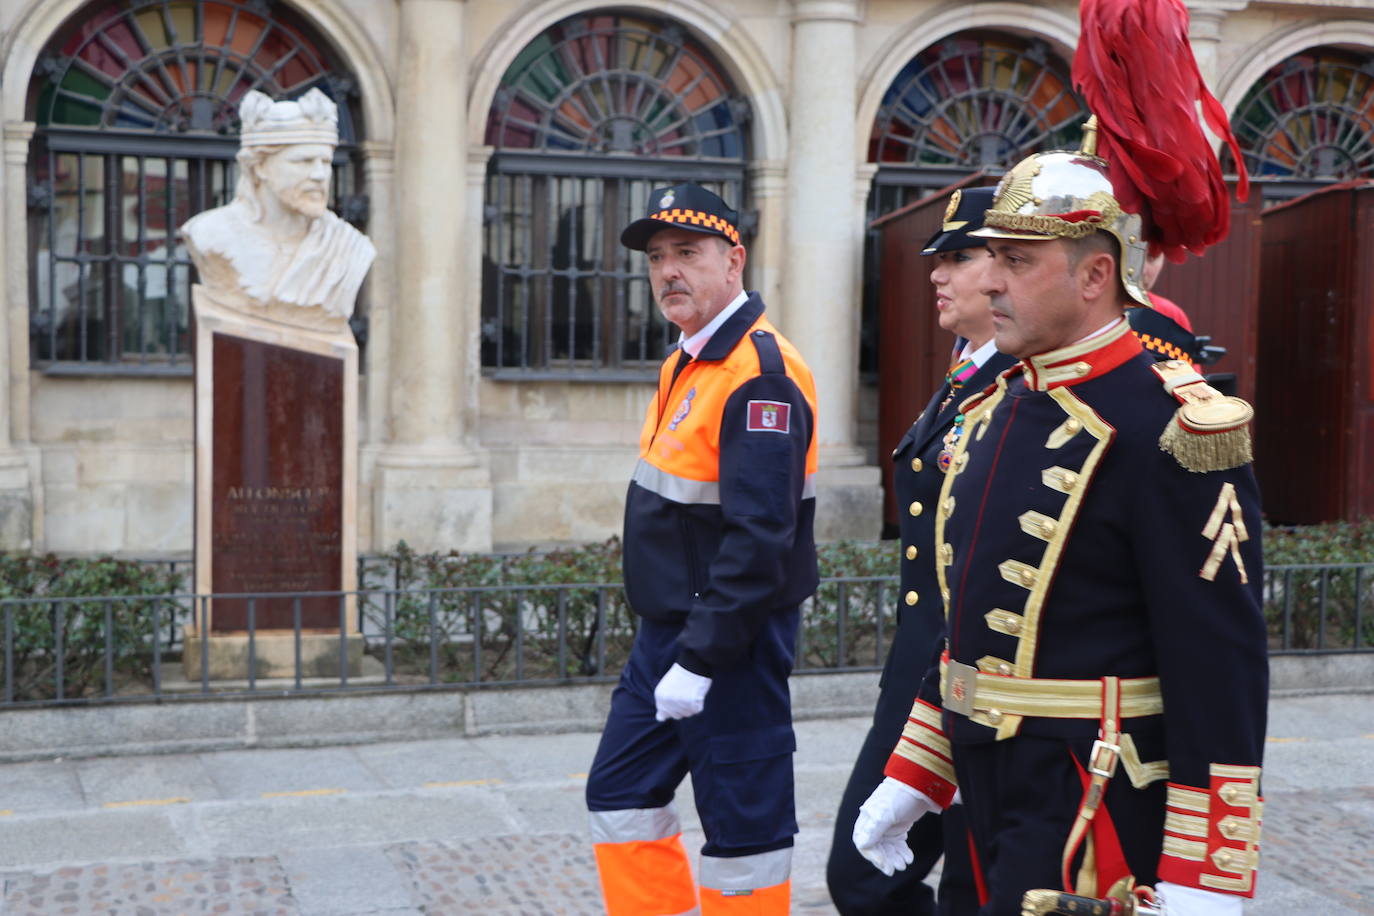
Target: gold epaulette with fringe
{"x":1210,"y":431}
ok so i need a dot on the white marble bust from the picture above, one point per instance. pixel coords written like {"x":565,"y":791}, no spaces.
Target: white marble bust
{"x":276,"y":247}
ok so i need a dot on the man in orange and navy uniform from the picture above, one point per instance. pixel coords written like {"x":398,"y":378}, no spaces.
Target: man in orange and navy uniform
{"x":719,"y":554}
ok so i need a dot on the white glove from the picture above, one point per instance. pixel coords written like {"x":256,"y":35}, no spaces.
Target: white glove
{"x":884,"y":820}
{"x":1179,"y":900}
{"x":680,"y":694}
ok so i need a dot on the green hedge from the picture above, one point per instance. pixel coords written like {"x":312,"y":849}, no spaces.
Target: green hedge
{"x":83,"y":624}
{"x":1295,"y":599}
{"x":476,"y":634}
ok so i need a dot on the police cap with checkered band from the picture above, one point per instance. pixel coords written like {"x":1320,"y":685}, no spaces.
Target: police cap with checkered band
{"x":683,"y":206}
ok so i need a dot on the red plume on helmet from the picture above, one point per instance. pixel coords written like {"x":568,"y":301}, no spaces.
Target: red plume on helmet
{"x":1135,"y":70}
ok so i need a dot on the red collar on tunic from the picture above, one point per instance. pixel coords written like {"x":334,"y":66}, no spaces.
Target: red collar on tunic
{"x":1082,"y":361}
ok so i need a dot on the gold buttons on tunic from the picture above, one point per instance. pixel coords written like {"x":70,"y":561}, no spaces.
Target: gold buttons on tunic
{"x":916,"y":465}
{"x":911,"y":551}
{"x":1072,"y":425}
{"x":1081,"y":368}
{"x":1004,"y":669}
{"x":949,"y":507}
{"x":916,"y":508}
{"x":912,"y":598}
{"x":995,"y":716}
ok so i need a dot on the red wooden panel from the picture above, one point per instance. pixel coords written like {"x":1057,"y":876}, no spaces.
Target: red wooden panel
{"x":1359,"y":495}
{"x":1220,"y":292}
{"x":1362,"y":501}
{"x":913,"y":350}
{"x":1307,"y":455}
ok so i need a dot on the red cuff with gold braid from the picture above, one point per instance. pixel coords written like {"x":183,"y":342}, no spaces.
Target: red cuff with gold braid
{"x":922,"y":758}
{"x":1211,"y":836}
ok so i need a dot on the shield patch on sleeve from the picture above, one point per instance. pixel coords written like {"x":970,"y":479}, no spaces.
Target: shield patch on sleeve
{"x":769,"y":417}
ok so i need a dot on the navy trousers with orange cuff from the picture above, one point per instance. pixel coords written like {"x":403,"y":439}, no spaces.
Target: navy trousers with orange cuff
{"x":739,"y":753}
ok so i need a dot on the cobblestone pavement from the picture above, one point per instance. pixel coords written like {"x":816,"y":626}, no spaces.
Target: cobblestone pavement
{"x":494,"y":826}
{"x":249,"y":885}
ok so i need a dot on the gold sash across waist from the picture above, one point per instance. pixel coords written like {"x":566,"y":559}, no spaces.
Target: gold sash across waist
{"x":1054,"y":698}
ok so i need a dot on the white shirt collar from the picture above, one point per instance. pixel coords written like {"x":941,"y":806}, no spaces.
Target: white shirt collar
{"x":697,"y":342}
{"x":982,"y":354}
{"x":1102,"y":330}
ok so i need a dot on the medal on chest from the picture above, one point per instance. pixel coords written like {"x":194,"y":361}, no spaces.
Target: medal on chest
{"x":950,"y":441}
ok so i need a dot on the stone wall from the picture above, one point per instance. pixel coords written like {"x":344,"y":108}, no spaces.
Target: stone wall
{"x":449,"y":459}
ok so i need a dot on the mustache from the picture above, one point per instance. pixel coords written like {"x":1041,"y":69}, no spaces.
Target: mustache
{"x":672,"y":288}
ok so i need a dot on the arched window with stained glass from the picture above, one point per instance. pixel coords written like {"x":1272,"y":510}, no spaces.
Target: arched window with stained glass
{"x":975,"y":100}
{"x":591,"y":115}
{"x":136,"y":103}
{"x":1309,"y":121}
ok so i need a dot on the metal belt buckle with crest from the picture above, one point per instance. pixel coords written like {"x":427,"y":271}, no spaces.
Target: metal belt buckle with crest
{"x":961,"y":686}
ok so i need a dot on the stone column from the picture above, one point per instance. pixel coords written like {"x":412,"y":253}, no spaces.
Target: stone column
{"x":380,"y":171}
{"x":14,"y":268}
{"x":767,"y":251}
{"x":824,"y":251}
{"x":1205,"y":19}
{"x":432,"y":487}
{"x":21,"y":523}
{"x":380,"y":175}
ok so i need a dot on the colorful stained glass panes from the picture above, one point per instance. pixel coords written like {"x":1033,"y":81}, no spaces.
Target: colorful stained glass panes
{"x":976,"y":100}
{"x":176,"y":66}
{"x":615,"y":83}
{"x":1311,"y":116}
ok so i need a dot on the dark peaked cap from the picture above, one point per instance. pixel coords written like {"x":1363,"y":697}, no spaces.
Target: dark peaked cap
{"x":683,"y":206}
{"x":963,"y":215}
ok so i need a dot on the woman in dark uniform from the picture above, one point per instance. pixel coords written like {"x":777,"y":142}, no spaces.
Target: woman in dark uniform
{"x":857,"y":887}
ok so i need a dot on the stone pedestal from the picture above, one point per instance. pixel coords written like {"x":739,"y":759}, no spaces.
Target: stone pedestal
{"x":276,"y":484}
{"x":229,"y":657}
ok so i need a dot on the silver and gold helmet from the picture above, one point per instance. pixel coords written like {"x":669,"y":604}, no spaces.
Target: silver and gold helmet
{"x":1066,"y":194}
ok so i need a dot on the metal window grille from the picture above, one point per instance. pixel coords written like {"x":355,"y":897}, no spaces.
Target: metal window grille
{"x":137,"y":111}
{"x":1307,"y":123}
{"x":594,"y":114}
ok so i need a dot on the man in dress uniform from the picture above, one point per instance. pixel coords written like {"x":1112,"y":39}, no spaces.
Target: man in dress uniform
{"x":1100,"y":704}
{"x":719,"y":555}
{"x":920,"y":463}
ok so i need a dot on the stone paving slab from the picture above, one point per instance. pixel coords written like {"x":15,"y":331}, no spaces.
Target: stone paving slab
{"x":496,"y":825}
{"x":1316,"y":860}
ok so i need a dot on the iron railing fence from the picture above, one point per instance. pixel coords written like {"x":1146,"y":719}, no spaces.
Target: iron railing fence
{"x":129,"y":648}
{"x":374,"y":570}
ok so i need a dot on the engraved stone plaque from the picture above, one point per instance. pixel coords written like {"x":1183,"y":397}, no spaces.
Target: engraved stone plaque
{"x":275,"y":496}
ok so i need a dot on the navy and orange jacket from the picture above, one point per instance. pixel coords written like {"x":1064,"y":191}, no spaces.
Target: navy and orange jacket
{"x":719,"y":515}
